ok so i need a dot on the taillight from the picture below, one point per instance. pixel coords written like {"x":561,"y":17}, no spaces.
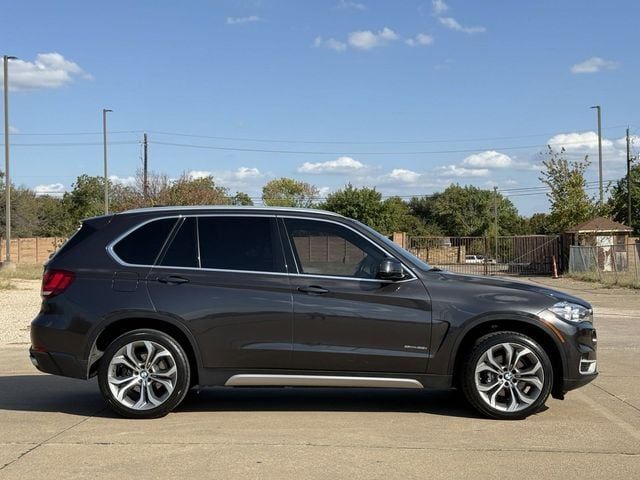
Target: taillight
{"x":54,"y":282}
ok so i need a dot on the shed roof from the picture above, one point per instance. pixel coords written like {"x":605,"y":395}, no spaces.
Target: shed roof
{"x":600,"y":224}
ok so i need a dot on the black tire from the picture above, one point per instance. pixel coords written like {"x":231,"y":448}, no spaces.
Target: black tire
{"x":506,"y":396}
{"x":178,"y":358}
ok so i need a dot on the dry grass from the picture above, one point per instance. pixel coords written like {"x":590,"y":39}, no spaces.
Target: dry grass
{"x":608,"y":279}
{"x":22,"y":272}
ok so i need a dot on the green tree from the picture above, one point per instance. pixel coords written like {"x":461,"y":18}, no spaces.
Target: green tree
{"x":241,"y":198}
{"x":570,"y":203}
{"x":618,"y":199}
{"x":539,"y":224}
{"x":467,"y":211}
{"x":287,"y":192}
{"x":366,"y":205}
{"x":195,"y":191}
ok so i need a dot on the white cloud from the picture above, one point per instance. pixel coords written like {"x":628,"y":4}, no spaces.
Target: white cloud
{"x":366,"y":39}
{"x":324,"y":191}
{"x":243,"y":173}
{"x":594,"y":65}
{"x":488,"y":159}
{"x":452,"y":24}
{"x":13,"y":129}
{"x":578,"y":141}
{"x":438,"y":7}
{"x":456,"y":171}
{"x":242,"y":20}
{"x":48,"y":70}
{"x":197,"y":174}
{"x":340,"y":165}
{"x":419,"y":40}
{"x":50,"y":189}
{"x":330,"y":43}
{"x":402,"y":175}
{"x":125,"y":181}
{"x":348,"y":5}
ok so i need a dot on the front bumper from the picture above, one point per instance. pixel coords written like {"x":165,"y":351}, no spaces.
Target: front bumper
{"x":580,"y":349}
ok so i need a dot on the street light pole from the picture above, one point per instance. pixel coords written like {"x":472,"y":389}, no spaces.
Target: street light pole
{"x":597,"y":107}
{"x":104,"y":146}
{"x":7,"y":178}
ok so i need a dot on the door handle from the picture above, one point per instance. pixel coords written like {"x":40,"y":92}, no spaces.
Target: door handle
{"x":173,"y":280}
{"x":313,"y":289}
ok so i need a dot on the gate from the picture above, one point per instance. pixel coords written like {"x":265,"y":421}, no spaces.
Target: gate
{"x":504,"y":255}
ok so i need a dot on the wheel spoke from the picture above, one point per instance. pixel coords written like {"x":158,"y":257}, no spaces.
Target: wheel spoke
{"x":492,"y":398}
{"x":521,"y":353}
{"x":492,"y":359}
{"x":508,"y":355}
{"x":485,"y":367}
{"x":488,"y":387}
{"x":522,"y":398}
{"x":531,"y":380}
{"x":531,"y":371}
{"x":130,"y":354}
{"x":152,"y":396}
{"x":122,"y":391}
{"x":120,"y":381}
{"x":123,"y":360}
{"x":142,"y":401}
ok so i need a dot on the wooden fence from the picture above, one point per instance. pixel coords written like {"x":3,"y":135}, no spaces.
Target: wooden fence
{"x":34,"y":250}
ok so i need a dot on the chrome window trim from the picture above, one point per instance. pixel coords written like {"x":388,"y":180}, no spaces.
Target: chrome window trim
{"x":114,"y":256}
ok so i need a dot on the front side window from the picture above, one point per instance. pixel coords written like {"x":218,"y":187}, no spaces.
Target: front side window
{"x":323,"y":248}
{"x":240,"y":243}
{"x":142,"y":246}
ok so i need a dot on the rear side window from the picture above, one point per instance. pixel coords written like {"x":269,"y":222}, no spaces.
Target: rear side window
{"x":240,"y":243}
{"x":142,"y":246}
{"x":183,"y":251}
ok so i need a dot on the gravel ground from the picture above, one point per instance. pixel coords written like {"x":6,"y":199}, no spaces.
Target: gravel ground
{"x":19,"y":306}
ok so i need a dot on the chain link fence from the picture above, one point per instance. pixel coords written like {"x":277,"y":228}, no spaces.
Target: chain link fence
{"x":610,"y":264}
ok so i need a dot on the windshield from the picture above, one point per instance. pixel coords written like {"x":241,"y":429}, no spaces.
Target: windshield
{"x":421,"y":264}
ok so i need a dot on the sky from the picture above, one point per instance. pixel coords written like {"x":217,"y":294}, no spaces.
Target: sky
{"x":405,"y":96}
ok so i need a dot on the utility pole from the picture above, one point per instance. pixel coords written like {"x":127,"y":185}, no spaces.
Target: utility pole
{"x":145,"y":184}
{"x":104,"y":146}
{"x":7,"y":264}
{"x":628,"y":179}
{"x":597,"y":107}
{"x":495,"y":219}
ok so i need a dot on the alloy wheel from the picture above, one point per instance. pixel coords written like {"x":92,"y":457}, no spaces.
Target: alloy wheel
{"x":509,"y":377}
{"x":142,"y":375}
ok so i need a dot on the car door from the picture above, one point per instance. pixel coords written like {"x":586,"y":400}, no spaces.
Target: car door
{"x":224,"y":275}
{"x":346,"y":319}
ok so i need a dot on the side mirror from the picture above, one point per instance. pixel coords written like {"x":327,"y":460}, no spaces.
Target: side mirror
{"x":390,"y":269}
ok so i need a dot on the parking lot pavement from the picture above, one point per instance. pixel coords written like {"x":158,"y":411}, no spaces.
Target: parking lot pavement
{"x":59,"y":427}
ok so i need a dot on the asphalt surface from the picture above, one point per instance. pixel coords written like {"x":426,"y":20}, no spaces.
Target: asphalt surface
{"x":59,"y":428}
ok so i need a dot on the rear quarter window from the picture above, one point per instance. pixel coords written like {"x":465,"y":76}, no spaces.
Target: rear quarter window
{"x":142,"y":246}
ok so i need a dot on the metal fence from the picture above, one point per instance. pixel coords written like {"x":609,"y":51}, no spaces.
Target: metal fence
{"x":504,"y":255}
{"x":606,"y":262}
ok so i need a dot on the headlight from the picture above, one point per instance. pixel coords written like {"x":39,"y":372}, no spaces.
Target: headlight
{"x":572,"y":312}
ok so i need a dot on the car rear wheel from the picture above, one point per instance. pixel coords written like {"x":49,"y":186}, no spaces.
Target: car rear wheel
{"x":144,"y":374}
{"x":507,"y":375}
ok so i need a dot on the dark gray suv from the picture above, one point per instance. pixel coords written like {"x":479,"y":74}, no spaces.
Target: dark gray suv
{"x":158,"y":301}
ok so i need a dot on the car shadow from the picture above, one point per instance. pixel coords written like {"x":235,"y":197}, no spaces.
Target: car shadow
{"x":48,"y":393}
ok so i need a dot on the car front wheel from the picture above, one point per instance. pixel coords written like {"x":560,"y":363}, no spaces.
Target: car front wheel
{"x":144,"y":374}
{"x":507,"y":375}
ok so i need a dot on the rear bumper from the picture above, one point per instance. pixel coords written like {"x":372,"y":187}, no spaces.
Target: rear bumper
{"x":58,"y":363}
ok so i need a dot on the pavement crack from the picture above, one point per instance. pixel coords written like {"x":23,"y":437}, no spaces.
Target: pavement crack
{"x":46,"y":440}
{"x":616,"y":397}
